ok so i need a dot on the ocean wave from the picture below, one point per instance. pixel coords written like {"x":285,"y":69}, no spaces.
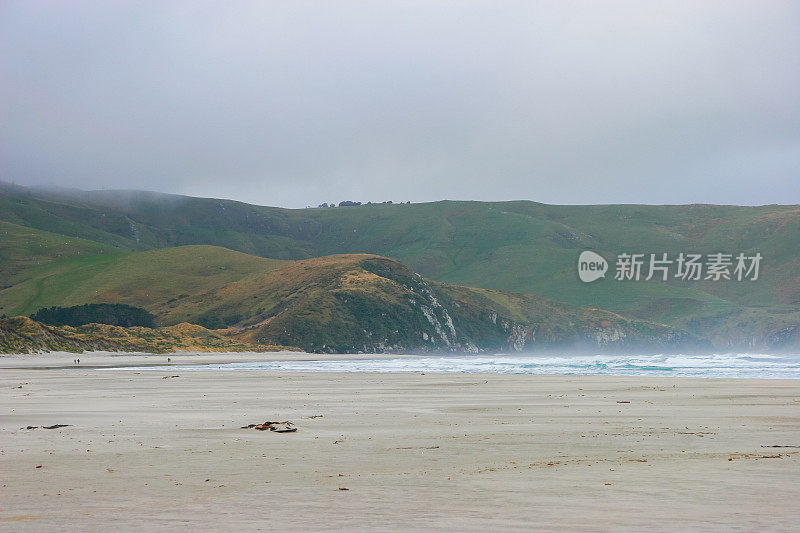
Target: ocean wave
{"x":728,"y":365}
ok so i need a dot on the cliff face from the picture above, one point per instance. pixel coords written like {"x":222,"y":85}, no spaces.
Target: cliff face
{"x":374,"y":304}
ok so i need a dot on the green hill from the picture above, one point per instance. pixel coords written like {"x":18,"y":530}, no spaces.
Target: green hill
{"x":23,"y":248}
{"x":143,"y":279}
{"x":370,"y":303}
{"x":342,"y":303}
{"x":522,"y":247}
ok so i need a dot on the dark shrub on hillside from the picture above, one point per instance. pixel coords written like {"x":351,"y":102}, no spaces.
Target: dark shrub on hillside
{"x":111,"y":314}
{"x":211,"y":321}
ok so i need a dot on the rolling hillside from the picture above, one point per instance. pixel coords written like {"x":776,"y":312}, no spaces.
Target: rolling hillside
{"x":521,"y":247}
{"x":23,"y":248}
{"x":143,"y":279}
{"x":340,"y":303}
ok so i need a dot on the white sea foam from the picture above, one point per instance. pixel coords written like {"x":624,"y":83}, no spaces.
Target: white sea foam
{"x":731,"y":365}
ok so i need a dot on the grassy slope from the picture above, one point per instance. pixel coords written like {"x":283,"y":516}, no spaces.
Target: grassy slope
{"x":24,"y":248}
{"x":517,"y":246}
{"x":145,"y":279}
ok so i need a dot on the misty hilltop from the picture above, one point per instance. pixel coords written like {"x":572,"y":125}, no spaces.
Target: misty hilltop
{"x":289,"y":277}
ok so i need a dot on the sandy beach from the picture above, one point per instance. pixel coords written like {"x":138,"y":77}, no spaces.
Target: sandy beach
{"x":165,"y":450}
{"x":121,"y":359}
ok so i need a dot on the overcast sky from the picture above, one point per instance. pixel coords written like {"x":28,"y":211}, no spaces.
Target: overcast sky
{"x":296,"y":103}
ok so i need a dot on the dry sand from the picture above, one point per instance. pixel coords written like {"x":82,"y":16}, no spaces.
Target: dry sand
{"x":415,"y":452}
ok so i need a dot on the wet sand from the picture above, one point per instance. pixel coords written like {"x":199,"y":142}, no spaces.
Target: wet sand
{"x":121,"y":359}
{"x":415,"y":452}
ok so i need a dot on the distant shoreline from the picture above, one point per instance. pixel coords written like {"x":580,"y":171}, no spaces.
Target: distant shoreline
{"x":54,"y":360}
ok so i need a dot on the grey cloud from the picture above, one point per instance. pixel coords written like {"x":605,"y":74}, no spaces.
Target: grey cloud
{"x":297,"y":103}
